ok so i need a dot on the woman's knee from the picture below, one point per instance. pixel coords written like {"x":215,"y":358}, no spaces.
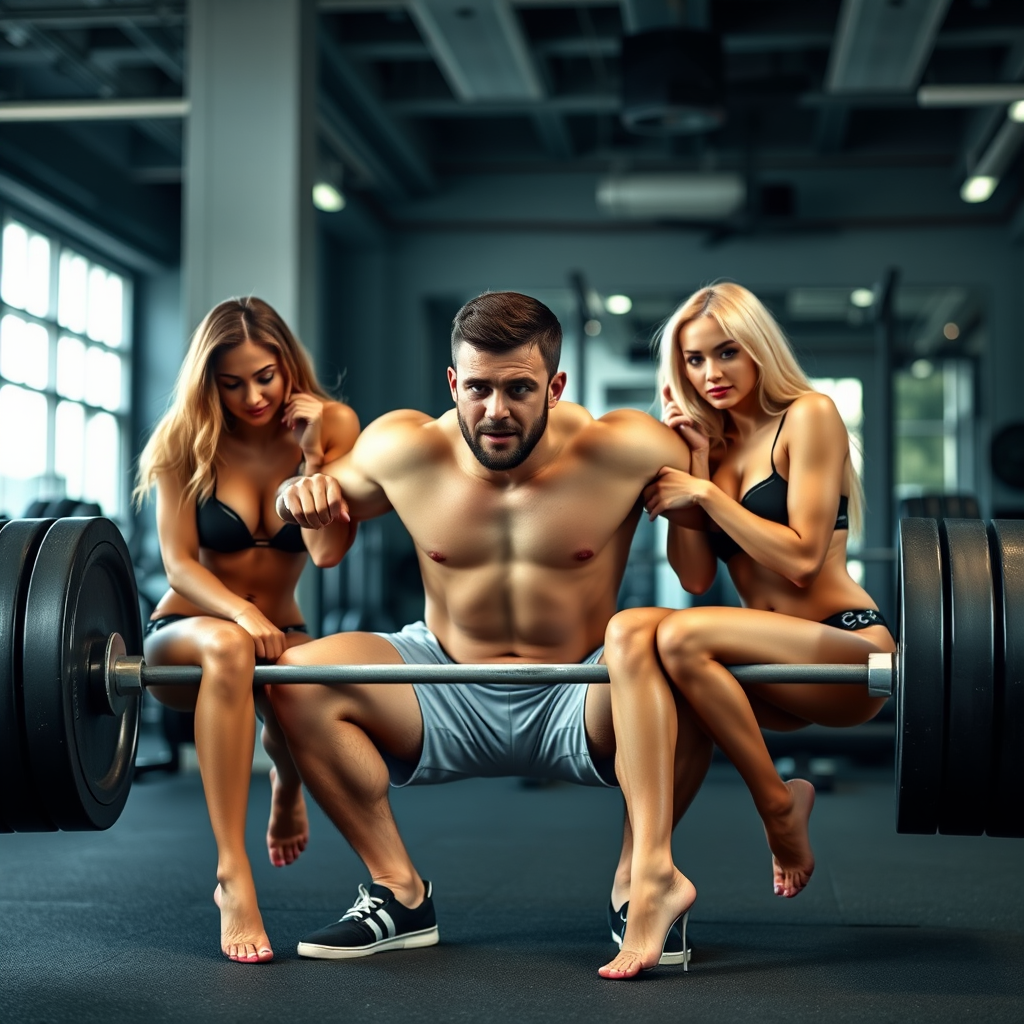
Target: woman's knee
{"x":681,"y":643}
{"x":631,"y":633}
{"x":228,"y":657}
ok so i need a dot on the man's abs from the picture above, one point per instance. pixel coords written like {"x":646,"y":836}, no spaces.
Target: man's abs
{"x":521,"y":613}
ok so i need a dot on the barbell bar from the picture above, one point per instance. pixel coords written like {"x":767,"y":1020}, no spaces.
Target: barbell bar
{"x":124,"y":676}
{"x":71,"y":675}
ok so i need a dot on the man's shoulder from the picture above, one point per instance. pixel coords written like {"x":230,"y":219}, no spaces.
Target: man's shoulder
{"x":628,"y":427}
{"x":399,"y":421}
{"x":398,"y":436}
{"x":633,"y":439}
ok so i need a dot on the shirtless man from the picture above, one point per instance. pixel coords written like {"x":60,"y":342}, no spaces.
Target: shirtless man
{"x":522,"y":510}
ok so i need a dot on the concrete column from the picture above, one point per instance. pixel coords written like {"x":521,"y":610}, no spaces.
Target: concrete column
{"x":250,"y":155}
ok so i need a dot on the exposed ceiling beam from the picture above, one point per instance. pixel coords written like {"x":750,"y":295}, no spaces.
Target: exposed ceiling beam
{"x":92,"y":78}
{"x":593,"y":103}
{"x":397,"y":5}
{"x":349,"y":144}
{"x":167,"y":12}
{"x":168,"y":60}
{"x":553,"y":134}
{"x":392,"y":140}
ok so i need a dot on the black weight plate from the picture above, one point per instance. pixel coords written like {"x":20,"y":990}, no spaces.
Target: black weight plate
{"x":21,"y":810}
{"x":82,"y":589}
{"x":970,"y":671}
{"x":920,"y":684}
{"x":1006,"y":800}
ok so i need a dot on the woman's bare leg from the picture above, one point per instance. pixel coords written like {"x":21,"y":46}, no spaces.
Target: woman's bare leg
{"x":661,"y":758}
{"x":696,"y":643}
{"x":225,"y":726}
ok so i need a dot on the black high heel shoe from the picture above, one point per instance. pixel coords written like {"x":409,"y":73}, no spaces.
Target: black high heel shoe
{"x":675,"y":950}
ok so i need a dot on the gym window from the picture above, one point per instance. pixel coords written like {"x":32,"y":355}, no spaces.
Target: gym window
{"x":934,"y":413}
{"x":65,"y":352}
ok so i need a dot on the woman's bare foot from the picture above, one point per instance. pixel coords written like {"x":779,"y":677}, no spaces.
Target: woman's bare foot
{"x":242,"y":937}
{"x":288,"y":829}
{"x":789,"y":841}
{"x":654,"y":905}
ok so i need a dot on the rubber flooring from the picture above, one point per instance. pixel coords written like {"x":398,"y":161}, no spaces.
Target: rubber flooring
{"x":119,"y":925}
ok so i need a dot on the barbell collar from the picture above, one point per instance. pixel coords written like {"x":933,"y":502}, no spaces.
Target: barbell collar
{"x":117,"y":683}
{"x":881,"y":675}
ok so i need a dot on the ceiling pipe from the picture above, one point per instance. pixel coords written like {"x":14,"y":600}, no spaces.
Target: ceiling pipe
{"x":990,"y":94}
{"x":95,"y":110}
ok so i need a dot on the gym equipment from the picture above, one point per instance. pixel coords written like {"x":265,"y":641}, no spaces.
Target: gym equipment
{"x":71,"y":675}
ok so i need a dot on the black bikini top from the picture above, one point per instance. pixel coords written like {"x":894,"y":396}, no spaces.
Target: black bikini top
{"x":222,"y":529}
{"x":768,"y":499}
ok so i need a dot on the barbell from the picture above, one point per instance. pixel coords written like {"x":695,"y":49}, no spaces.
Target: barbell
{"x":72,"y":675}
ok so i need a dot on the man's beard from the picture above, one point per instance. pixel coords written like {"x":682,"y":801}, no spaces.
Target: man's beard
{"x":511,"y":457}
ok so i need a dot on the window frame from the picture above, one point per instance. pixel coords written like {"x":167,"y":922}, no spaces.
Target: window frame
{"x":59,"y":241}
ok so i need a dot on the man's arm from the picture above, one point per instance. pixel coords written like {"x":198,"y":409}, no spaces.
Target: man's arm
{"x":352,"y":488}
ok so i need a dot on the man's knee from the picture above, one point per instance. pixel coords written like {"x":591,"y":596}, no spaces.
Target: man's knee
{"x":294,"y":705}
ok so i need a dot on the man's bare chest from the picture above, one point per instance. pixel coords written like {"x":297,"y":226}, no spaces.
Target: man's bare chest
{"x":559,"y":523}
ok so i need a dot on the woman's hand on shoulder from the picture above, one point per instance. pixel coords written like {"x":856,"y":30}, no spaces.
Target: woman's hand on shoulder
{"x":267,"y":638}
{"x":673,"y":490}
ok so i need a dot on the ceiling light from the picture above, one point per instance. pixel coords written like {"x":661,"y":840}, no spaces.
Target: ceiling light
{"x":862,"y":298}
{"x":327,"y":198}
{"x":618,"y":304}
{"x":951,"y":332}
{"x":1016,"y":111}
{"x":977,"y":188}
{"x":592,"y":328}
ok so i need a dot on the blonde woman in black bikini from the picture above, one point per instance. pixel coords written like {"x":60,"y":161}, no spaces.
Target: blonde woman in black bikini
{"x":247,"y":413}
{"x":775,"y":494}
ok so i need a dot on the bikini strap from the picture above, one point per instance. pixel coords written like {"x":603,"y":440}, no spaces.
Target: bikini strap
{"x":776,"y":441}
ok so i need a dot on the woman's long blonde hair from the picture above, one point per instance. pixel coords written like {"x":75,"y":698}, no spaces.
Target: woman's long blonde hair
{"x":780,"y":380}
{"x":185,"y":440}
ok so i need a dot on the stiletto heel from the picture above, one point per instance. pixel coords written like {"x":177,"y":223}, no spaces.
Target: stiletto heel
{"x":682,"y":924}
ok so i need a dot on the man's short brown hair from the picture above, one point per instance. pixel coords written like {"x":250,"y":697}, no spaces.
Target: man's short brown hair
{"x":500,"y":322}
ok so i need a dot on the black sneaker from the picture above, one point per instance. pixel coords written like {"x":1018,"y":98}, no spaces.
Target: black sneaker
{"x":673,"y":952}
{"x":374,"y":923}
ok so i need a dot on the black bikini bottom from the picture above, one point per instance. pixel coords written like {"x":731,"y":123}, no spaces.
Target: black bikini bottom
{"x":859,"y":618}
{"x":165,"y":620}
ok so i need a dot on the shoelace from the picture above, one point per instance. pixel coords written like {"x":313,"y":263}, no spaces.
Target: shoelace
{"x":363,"y":907}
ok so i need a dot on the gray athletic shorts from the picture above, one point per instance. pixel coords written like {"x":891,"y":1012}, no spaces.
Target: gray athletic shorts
{"x":491,"y":729}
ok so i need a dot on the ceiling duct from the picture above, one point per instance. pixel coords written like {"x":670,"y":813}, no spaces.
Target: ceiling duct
{"x":684,"y":196}
{"x":672,"y":82}
{"x":883,"y":45}
{"x":480,"y":48}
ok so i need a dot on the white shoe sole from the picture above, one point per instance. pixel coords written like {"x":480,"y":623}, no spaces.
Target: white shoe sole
{"x":667,"y":959}
{"x":411,"y":940}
